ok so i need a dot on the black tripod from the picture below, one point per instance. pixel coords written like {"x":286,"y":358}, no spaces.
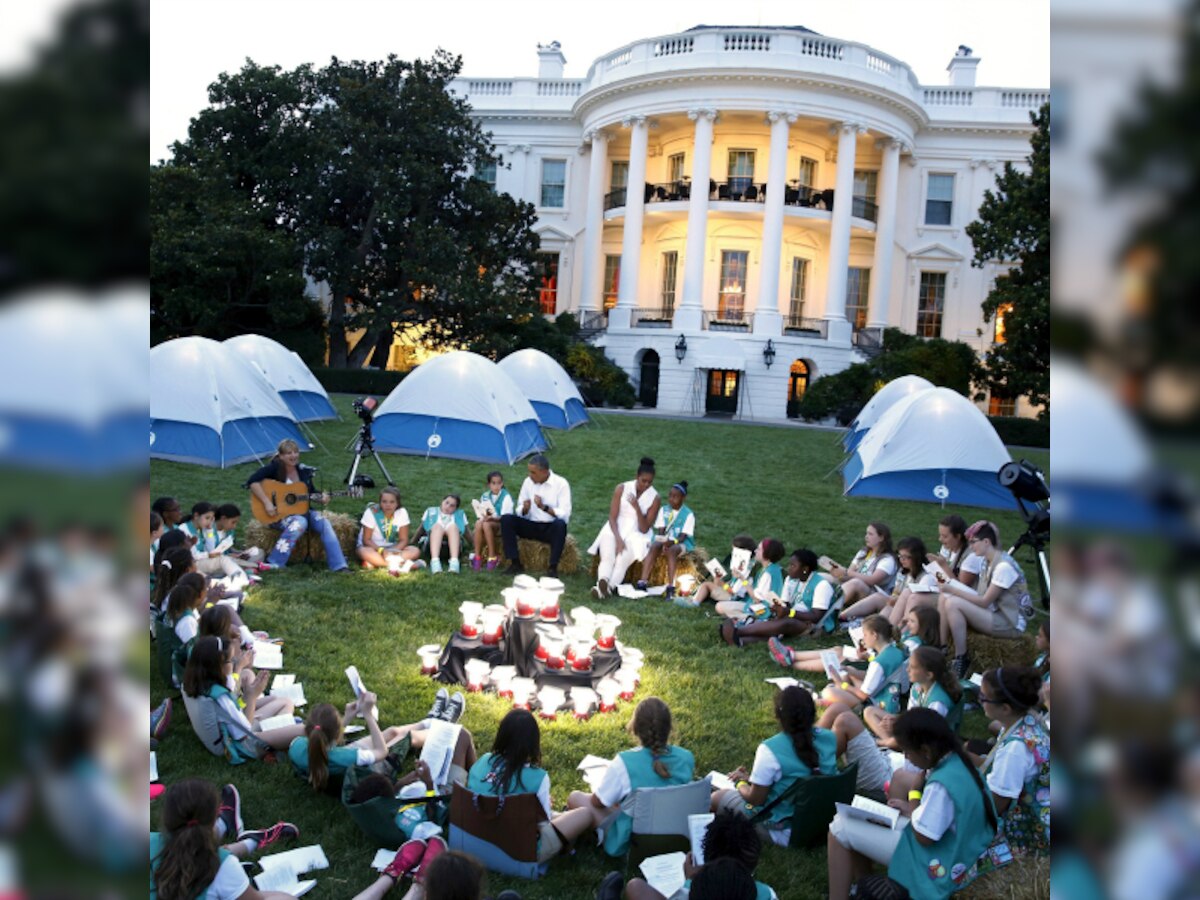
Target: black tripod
{"x":1037,"y":535}
{"x":364,"y":446}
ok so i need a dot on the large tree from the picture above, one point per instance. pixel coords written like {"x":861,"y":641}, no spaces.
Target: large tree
{"x":1014,"y":228}
{"x":368,"y":166}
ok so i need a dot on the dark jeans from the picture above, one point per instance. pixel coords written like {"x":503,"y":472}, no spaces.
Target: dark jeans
{"x":552,"y":533}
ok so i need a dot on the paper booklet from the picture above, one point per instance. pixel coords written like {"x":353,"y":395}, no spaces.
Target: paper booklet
{"x":833,"y":665}
{"x":664,"y":873}
{"x":896,"y":760}
{"x":153,"y":766}
{"x":293,"y":692}
{"x":483,"y":508}
{"x":225,"y":544}
{"x":267,"y":656}
{"x":783,"y":682}
{"x":976,"y":679}
{"x":629,"y":592}
{"x":739,"y":562}
{"x":282,"y":681}
{"x":870,"y":811}
{"x":825,"y":563}
{"x":716,"y":569}
{"x":274,"y":722}
{"x":917,"y":587}
{"x":356,"y":685}
{"x":439,"y":750}
{"x":298,"y":861}
{"x":697,"y":825}
{"x":720,"y":781}
{"x":283,"y":880}
{"x":353,"y":729}
{"x":382,"y":858}
{"x":856,"y":635}
{"x":594,"y":769}
{"x":656,"y":591}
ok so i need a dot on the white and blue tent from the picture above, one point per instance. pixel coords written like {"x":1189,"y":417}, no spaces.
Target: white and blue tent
{"x":547,"y":387}
{"x":895,"y":390}
{"x":458,"y":406}
{"x":288,"y":374}
{"x":213,"y":407}
{"x":934,"y":445}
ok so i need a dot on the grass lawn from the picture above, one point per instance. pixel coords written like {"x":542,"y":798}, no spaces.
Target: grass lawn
{"x":762,"y":480}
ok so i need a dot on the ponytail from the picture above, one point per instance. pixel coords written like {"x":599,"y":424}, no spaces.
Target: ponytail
{"x":797,"y":713}
{"x":323,"y":728}
{"x":170,"y":564}
{"x":188,"y":860}
{"x":651,"y":725}
{"x":186,"y":595}
{"x":929,"y":625}
{"x":933,"y":661}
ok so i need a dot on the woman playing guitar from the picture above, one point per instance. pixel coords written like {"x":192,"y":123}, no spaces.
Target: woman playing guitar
{"x":285,"y":467}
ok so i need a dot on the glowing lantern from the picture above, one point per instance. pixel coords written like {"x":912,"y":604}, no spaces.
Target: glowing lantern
{"x":522,"y":691}
{"x":582,"y":700}
{"x":470,"y":612}
{"x":628,"y":680}
{"x":493,"y":623}
{"x":609,"y":690}
{"x":429,"y":658}
{"x":608,"y":631}
{"x":549,"y":700}
{"x":477,"y":674}
{"x":502,"y":678}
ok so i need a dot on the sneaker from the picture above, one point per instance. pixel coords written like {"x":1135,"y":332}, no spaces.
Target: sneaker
{"x":406,"y":859}
{"x":552,"y":572}
{"x":265,"y":837}
{"x":435,"y":567}
{"x":781,"y":652}
{"x":669,"y":593}
{"x":435,"y":848}
{"x":455,"y":708}
{"x":440,"y":701}
{"x":455,"y":567}
{"x":160,"y":718}
{"x":492,"y":563}
{"x":640,"y":585}
{"x":960,"y":666}
{"x":267,"y":567}
{"x":515,"y":569}
{"x":611,"y":887}
{"x":230,"y":812}
{"x":476,"y":562}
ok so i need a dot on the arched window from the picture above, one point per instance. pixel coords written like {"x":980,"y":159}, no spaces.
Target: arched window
{"x":797,"y":385}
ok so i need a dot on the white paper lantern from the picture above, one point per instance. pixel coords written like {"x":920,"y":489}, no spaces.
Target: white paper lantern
{"x":429,"y":654}
{"x":582,"y":701}
{"x":477,"y":674}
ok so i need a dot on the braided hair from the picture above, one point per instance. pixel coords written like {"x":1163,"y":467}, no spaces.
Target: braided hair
{"x":188,"y":860}
{"x":797,"y":713}
{"x":651,"y":725}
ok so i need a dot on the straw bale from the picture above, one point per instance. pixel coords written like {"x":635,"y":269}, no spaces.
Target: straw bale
{"x":309,"y":545}
{"x":691,"y":563}
{"x":535,"y":556}
{"x":1025,"y":878}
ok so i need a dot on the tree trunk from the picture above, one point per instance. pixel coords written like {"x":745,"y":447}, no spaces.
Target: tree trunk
{"x":337,"y":332}
{"x":383,"y":349}
{"x":365,"y":345}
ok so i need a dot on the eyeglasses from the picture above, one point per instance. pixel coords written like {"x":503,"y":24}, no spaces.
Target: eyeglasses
{"x":983,"y":699}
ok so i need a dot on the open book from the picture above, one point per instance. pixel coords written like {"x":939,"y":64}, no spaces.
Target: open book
{"x":483,"y":508}
{"x":298,"y":861}
{"x":697,"y":827}
{"x":664,"y":873}
{"x":739,"y":562}
{"x":833,"y":665}
{"x":721,"y":781}
{"x":226,"y":544}
{"x":716,"y":569}
{"x":267,"y":656}
{"x":856,"y":635}
{"x":594,"y":769}
{"x":439,"y":750}
{"x":356,"y":685}
{"x":273,"y":722}
{"x":870,"y":811}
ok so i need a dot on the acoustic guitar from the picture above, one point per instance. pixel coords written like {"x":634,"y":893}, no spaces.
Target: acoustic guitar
{"x":288,"y":499}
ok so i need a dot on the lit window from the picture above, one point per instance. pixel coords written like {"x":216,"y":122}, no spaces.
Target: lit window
{"x":554,"y":182}
{"x":939,"y":203}
{"x":612,"y":279}
{"x":741,"y":171}
{"x":731,"y":302}
{"x":675,"y":167}
{"x":858,"y":288}
{"x":808,"y":172}
{"x":670,"y":269}
{"x":548,"y":291}
{"x":930,"y":304}
{"x":1001,"y":313}
{"x":1001,"y":406}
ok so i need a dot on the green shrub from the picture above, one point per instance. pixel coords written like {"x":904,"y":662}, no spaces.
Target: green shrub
{"x":601,"y":381}
{"x":1022,"y":432}
{"x":358,"y":381}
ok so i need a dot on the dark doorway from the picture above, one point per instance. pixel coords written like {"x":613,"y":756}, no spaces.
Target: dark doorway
{"x":722,"y":396}
{"x":797,"y":385}
{"x":648,"y":382}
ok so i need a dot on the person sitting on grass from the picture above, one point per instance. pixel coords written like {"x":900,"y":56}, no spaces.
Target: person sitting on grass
{"x":210,"y":557}
{"x":228,"y":516}
{"x":873,"y":567}
{"x":883,"y":682}
{"x":187,"y":858}
{"x":675,"y":536}
{"x":487,"y":528}
{"x":806,"y":597}
{"x":734,"y":584}
{"x":444,"y":522}
{"x":439,"y":874}
{"x":933,"y":687}
{"x":384,"y":533}
{"x":768,"y":584}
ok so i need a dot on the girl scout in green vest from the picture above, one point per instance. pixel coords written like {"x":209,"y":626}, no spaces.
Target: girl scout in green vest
{"x":675,"y":535}
{"x":656,"y":763}
{"x":757,"y":602}
{"x":805,"y":599}
{"x":933,"y":687}
{"x":947,"y":822}
{"x":487,"y":527}
{"x":514,"y":766}
{"x":881,"y":684}
{"x":799,"y":750}
{"x":185,"y":858}
{"x":449,"y":522}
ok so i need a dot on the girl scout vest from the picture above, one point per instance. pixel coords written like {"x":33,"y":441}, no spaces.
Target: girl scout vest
{"x":205,"y":540}
{"x":775,"y":573}
{"x":639,"y":764}
{"x":1014,"y":605}
{"x":673,"y":527}
{"x":865,"y":565}
{"x":387,"y":527}
{"x":937,"y":870}
{"x":1026,"y":824}
{"x":497,"y":500}
{"x":793,"y":768}
{"x":482,"y":780}
{"x":887,"y":697}
{"x":935,"y":694}
{"x":340,"y":758}
{"x":157,"y":843}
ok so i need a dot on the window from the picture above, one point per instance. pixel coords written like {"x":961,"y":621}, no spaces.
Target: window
{"x":799,"y":288}
{"x":797,"y":381}
{"x":670,"y":268}
{"x":930,"y":303}
{"x":732,"y":300}
{"x":554,"y":182}
{"x":675,"y":167}
{"x":1001,"y":312}
{"x":487,"y":173}
{"x":620,"y":174}
{"x":808,"y":172}
{"x":864,"y":184}
{"x":858,"y":287}
{"x":999,"y":405}
{"x":612,"y":279}
{"x":741,"y":172}
{"x":939,"y":202}
{"x":548,"y":291}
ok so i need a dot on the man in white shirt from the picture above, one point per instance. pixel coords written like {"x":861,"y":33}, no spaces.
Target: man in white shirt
{"x":542,"y":512}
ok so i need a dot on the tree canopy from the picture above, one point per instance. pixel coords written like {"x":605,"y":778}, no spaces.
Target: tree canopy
{"x":1013,"y":227}
{"x":367,"y":168}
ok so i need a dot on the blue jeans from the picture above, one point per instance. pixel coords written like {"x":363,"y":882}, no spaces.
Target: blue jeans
{"x":293,"y":528}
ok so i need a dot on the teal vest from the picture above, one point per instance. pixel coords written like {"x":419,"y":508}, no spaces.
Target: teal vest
{"x":205,"y":540}
{"x":639,"y":763}
{"x":674,"y":522}
{"x":498,"y":500}
{"x":157,"y":844}
{"x":887,"y":697}
{"x":794,"y":768}
{"x":935,"y":871}
{"x":936,"y":694}
{"x":340,"y":758}
{"x":482,"y":780}
{"x":1027,"y":820}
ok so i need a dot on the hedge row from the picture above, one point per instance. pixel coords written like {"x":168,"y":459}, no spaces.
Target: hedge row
{"x":1022,"y":432}
{"x":358,"y":381}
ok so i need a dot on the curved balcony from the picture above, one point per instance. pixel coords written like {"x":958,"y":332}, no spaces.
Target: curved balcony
{"x":743,"y":190}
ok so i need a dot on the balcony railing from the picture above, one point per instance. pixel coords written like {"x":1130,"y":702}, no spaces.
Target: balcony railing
{"x":729,"y":320}
{"x":614,"y":199}
{"x":796,"y":194}
{"x":862,"y":208}
{"x":653,"y":316}
{"x":869,"y":340}
{"x":743,"y":190}
{"x":738,"y":190}
{"x":669,"y":190}
{"x":801,"y":326}
{"x":591,"y":321}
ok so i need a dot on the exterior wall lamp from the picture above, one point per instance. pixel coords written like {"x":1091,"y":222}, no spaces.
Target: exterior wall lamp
{"x":681,"y":348}
{"x":769,"y":353}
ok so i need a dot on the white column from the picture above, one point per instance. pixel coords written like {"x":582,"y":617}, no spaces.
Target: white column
{"x":839,"y":233}
{"x":766,"y":312}
{"x":518,"y":155}
{"x":688,"y":315}
{"x":592,"y":288}
{"x":885,"y":235}
{"x":631,"y":242}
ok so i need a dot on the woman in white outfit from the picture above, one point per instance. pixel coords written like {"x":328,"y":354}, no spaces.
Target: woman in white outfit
{"x":626,"y":535}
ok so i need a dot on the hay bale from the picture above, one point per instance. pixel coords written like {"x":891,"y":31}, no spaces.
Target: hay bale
{"x":535,"y":556}
{"x":309,"y":545}
{"x":991,"y":652}
{"x":1025,"y":878}
{"x":691,"y":563}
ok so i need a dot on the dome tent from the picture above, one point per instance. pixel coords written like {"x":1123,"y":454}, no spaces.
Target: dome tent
{"x":547,"y":387}
{"x":935,"y":446}
{"x":458,"y":406}
{"x":213,"y":407}
{"x":286,"y":372}
{"x":887,"y":396}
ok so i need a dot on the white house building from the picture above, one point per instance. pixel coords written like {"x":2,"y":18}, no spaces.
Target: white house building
{"x":742,"y":210}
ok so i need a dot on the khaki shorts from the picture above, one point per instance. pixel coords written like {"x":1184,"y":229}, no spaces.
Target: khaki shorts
{"x":718,"y":593}
{"x":1002,"y":629}
{"x":733,"y":802}
{"x":549,"y":843}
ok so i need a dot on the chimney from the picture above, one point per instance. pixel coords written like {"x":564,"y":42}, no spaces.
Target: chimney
{"x":962,"y":67}
{"x":550,"y":60}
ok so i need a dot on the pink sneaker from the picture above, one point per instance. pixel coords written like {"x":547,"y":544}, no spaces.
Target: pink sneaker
{"x":436,"y":848}
{"x":492,"y":563}
{"x":780,"y":652}
{"x":406,"y":858}
{"x":476,"y":563}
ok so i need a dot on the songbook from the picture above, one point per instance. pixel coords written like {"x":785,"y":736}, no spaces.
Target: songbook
{"x":870,"y":811}
{"x":716,"y":569}
{"x":299,"y":860}
{"x":594,"y":768}
{"x":783,"y":682}
{"x":225,"y":544}
{"x":833,"y":665}
{"x":273,"y":722}
{"x":739,"y":562}
{"x":440,"y":740}
{"x":293,"y":692}
{"x":856,"y":635}
{"x":697,"y":827}
{"x":356,"y":685}
{"x":382,"y":859}
{"x":664,"y":873}
{"x":283,"y":880}
{"x":483,"y":508}
{"x":267,"y":656}
{"x":721,"y":781}
{"x":825,"y":563}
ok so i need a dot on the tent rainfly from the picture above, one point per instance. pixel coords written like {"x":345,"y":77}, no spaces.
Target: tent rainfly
{"x":458,"y":406}
{"x":936,"y":446}
{"x":213,"y":407}
{"x":296,"y":384}
{"x":885,"y":397}
{"x":548,"y":388}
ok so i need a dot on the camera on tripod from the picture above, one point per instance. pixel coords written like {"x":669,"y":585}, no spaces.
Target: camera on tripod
{"x":1027,"y":483}
{"x":364,"y":408}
